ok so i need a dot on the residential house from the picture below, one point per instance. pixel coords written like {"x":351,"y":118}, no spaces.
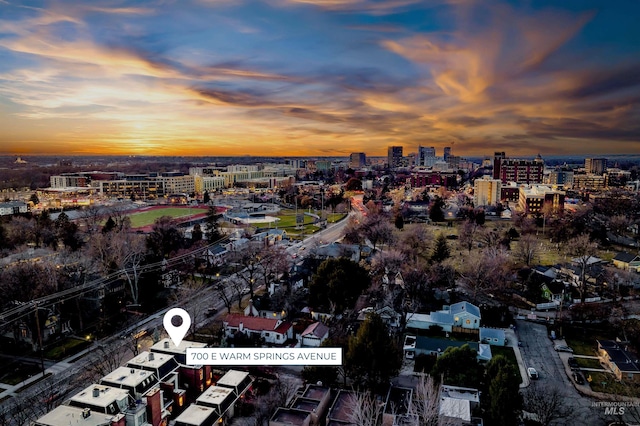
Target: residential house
{"x":457,"y":317}
{"x":387,"y":314}
{"x":493,"y":336}
{"x":437,"y":346}
{"x":314,"y":335}
{"x":458,"y":404}
{"x":627,"y":261}
{"x":13,"y":207}
{"x":554,"y":291}
{"x":272,"y":331}
{"x":624,"y":365}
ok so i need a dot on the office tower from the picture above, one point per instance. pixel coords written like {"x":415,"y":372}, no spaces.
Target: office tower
{"x":447,"y":153}
{"x":486,"y":191}
{"x":426,"y":156}
{"x":595,"y":166}
{"x":394,"y":156}
{"x":498,"y":156}
{"x":357,"y":160}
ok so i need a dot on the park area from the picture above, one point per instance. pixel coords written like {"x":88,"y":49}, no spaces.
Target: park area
{"x":147,"y":217}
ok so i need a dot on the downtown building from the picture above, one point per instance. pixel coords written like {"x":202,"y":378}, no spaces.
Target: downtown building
{"x":357,"y":160}
{"x":487,"y":191}
{"x":394,"y":156}
{"x":533,"y":198}
{"x":518,"y":170}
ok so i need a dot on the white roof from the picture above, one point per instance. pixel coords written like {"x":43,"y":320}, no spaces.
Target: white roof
{"x":167,"y":345}
{"x":107,"y":395}
{"x":143,"y":360}
{"x":456,"y":408}
{"x":65,"y":415}
{"x":215,"y":395}
{"x":127,"y":376}
{"x":233,"y":378}
{"x":195,"y":414}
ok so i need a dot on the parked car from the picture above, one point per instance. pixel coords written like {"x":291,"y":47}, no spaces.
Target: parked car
{"x":573,"y":363}
{"x":563,"y":348}
{"x":577,"y":376}
{"x":533,"y":374}
{"x":211,"y":312}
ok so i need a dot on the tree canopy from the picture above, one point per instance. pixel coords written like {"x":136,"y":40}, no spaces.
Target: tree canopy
{"x":338,"y":283}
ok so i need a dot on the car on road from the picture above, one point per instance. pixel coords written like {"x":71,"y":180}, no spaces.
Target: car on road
{"x":563,"y":348}
{"x":573,"y":363}
{"x":577,"y":376}
{"x":211,"y":312}
{"x":533,"y":374}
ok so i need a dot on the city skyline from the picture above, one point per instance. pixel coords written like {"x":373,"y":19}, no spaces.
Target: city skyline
{"x":318,"y":77}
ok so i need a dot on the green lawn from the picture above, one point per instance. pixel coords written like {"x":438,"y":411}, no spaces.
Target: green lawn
{"x":67,"y":347}
{"x":18,"y":372}
{"x":588,"y":363}
{"x":509,"y":354}
{"x":335,"y":217}
{"x":149,"y":217}
{"x":581,"y":347}
{"x":606,"y":383}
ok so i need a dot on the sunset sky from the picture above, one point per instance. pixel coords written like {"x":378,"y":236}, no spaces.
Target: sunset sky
{"x":319,"y":77}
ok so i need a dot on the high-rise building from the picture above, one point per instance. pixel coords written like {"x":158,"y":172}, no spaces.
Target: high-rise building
{"x":596,"y":166}
{"x":516,"y":170}
{"x":560,"y":177}
{"x":486,"y":191}
{"x":447,"y":152}
{"x":357,"y":160}
{"x":394,"y":156}
{"x":426,"y":156}
{"x":498,"y":156}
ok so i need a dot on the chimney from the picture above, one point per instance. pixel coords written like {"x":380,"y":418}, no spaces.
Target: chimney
{"x":86,"y":413}
{"x":166,"y":344}
{"x":151,"y":356}
{"x":154,"y":407}
{"x":96,"y":392}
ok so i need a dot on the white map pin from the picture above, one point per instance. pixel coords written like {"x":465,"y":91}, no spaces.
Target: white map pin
{"x":177,"y":333}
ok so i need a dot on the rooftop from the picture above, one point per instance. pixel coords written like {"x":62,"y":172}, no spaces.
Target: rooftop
{"x":289,"y":416}
{"x":315,"y":392}
{"x":233,"y":378}
{"x":215,"y":395}
{"x":195,"y":415}
{"x":65,"y":415}
{"x":104,"y":395}
{"x":167,"y":346}
{"x":128,"y":377}
{"x":150,"y":360}
{"x":341,"y":408}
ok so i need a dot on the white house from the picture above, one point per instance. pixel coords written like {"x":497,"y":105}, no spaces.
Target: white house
{"x":314,"y":335}
{"x":461,"y":314}
{"x":13,"y":207}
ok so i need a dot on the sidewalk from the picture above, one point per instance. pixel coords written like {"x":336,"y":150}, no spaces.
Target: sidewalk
{"x":57,"y":368}
{"x":512,"y":340}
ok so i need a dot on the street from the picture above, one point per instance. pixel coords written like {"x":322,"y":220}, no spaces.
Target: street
{"x":537,"y":352}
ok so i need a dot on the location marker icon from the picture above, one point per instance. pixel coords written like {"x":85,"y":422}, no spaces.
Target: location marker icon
{"x":176,"y":332}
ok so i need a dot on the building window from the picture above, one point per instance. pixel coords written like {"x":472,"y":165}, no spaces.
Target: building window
{"x":266,"y":334}
{"x":468,"y":321}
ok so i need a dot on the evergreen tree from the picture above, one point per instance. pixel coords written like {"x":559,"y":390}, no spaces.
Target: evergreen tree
{"x":196,"y":234}
{"x":206,"y":197}
{"x":441,"y":250}
{"x":212,"y":230}
{"x":458,"y":367}
{"x":109,"y":226}
{"x":505,"y":401}
{"x":399,"y":221}
{"x":373,"y":357}
{"x":436,"y":214}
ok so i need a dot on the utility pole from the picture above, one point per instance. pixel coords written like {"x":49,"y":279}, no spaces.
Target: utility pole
{"x":39,"y":338}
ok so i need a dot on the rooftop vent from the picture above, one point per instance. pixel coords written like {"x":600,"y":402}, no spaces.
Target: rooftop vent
{"x":166,"y":344}
{"x":86,"y":413}
{"x":151,"y":356}
{"x":96,"y":392}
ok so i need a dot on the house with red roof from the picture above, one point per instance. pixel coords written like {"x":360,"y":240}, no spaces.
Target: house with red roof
{"x":273,"y":331}
{"x":314,"y":335}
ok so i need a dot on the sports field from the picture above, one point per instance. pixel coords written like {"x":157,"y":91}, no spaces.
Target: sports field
{"x":148,"y":217}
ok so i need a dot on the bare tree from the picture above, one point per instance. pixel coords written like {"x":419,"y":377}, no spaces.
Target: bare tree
{"x":189,"y":290}
{"x":250,"y":270}
{"x":424,"y":409}
{"x":485,"y":271}
{"x":468,"y":234}
{"x":546,"y":403}
{"x":416,"y":244}
{"x":365,"y":410}
{"x":583,"y":249}
{"x":279,"y":395}
{"x":527,"y":250}
{"x":101,"y":361}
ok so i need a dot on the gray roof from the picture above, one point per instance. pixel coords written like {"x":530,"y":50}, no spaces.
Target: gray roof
{"x":434,"y":344}
{"x":625,"y":257}
{"x":456,"y":308}
{"x":491,"y":333}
